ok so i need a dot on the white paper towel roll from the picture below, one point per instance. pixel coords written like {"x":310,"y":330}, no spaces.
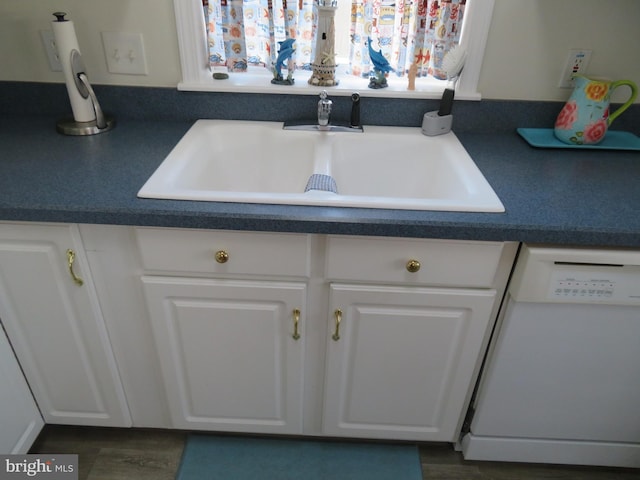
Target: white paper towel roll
{"x":66,"y":41}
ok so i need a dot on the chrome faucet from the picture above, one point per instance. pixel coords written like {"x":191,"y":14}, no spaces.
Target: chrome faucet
{"x":323,"y":123}
{"x":324,"y":110}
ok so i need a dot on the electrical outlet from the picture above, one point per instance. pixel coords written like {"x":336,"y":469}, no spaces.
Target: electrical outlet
{"x":577,"y":62}
{"x":124,"y":53}
{"x":49,"y":43}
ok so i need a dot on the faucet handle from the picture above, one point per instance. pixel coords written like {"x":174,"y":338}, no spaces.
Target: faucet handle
{"x":324,"y":102}
{"x":324,"y":109}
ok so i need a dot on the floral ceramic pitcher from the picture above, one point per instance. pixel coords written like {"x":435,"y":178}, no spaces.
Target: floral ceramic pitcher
{"x":585,"y":118}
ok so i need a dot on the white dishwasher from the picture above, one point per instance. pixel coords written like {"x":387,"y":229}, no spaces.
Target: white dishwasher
{"x":562,"y":378}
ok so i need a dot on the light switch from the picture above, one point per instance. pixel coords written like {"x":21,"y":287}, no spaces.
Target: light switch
{"x":124,"y":53}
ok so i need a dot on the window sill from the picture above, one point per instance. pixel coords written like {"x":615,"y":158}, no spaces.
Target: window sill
{"x":193,"y":49}
{"x":260,"y":82}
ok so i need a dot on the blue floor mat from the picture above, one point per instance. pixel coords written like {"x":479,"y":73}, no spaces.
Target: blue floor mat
{"x":219,"y":457}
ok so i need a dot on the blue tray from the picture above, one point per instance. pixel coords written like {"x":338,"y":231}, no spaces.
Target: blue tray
{"x":614,"y":140}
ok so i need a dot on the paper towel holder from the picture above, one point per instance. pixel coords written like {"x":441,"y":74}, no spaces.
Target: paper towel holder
{"x":76,"y":77}
{"x":101,"y":123}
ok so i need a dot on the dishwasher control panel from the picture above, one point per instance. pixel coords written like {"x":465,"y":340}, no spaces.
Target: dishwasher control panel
{"x":581,"y":286}
{"x":577,"y":275}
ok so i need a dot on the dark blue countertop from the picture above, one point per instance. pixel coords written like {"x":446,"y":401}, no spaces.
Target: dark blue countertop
{"x":569,"y":197}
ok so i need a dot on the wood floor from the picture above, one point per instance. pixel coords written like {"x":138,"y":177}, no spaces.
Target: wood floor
{"x":118,"y":454}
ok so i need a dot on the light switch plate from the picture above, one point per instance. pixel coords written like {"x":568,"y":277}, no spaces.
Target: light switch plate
{"x":124,"y":53}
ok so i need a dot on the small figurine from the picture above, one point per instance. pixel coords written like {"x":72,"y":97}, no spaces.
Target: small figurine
{"x":380,"y":68}
{"x":284,"y":53}
{"x":324,"y":63}
{"x":413,"y":72}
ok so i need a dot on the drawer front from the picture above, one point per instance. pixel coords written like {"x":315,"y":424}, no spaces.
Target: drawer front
{"x":203,"y":252}
{"x":441,"y":262}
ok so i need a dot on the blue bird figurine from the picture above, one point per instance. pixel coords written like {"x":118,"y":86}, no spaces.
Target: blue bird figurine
{"x":380,"y":67}
{"x":285,"y":51}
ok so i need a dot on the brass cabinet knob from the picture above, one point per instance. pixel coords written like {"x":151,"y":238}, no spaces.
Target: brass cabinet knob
{"x":413,"y":266}
{"x":222,"y":256}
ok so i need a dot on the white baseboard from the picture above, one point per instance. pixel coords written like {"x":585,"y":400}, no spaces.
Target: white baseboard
{"x":567,"y":452}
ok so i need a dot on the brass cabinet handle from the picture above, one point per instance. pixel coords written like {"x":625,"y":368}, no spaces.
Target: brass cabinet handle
{"x":338,"y":316}
{"x":413,"y":266}
{"x":222,"y":256}
{"x":296,"y":321}
{"x":71,"y":257}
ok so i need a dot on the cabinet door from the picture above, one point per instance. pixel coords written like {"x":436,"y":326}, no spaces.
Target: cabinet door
{"x":227,"y":350}
{"x":19,"y":416}
{"x":56,"y":328}
{"x":404,"y":362}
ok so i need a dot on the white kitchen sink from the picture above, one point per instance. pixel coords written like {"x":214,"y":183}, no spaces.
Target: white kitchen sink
{"x":383,"y":167}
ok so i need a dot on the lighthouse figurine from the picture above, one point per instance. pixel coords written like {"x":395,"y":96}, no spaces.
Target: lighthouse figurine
{"x":324,"y":63}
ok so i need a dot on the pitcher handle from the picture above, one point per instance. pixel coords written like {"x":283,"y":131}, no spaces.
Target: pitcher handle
{"x":628,"y":103}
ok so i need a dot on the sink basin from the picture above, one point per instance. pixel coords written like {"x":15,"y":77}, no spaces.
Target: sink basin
{"x":234,"y":161}
{"x":259,"y":162}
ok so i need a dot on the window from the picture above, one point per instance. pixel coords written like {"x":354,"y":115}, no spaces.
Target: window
{"x":194,"y":52}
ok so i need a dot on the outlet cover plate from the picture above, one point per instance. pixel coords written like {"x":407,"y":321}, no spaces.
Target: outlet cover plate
{"x":50,"y":48}
{"x":124,"y":53}
{"x":577,"y":62}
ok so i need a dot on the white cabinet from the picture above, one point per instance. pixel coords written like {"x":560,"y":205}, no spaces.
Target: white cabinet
{"x":116,"y":269}
{"x":399,"y":360}
{"x":250,"y":331}
{"x":403,"y":354}
{"x":229,"y":352}
{"x":50,"y":311}
{"x":19,"y":415}
{"x":403,"y":360}
{"x":231,"y":347}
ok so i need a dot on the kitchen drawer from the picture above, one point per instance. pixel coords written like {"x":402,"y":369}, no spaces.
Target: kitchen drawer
{"x":249,"y":253}
{"x":442,"y":262}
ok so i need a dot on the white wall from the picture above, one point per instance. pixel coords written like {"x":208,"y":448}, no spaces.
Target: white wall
{"x":22,"y":56}
{"x":529,"y":41}
{"x":526,"y":49}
